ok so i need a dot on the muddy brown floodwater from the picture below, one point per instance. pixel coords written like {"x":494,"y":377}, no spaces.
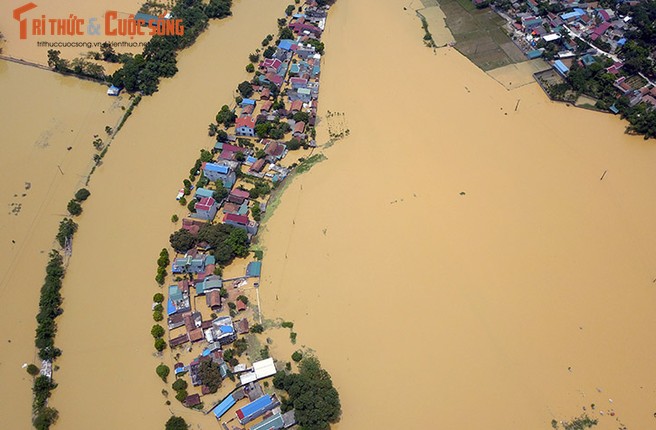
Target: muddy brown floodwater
{"x":459,"y":264}
{"x":48,"y":124}
{"x":454,"y":263}
{"x":107,"y":378}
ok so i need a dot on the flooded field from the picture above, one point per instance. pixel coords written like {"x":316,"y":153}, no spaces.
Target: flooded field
{"x":107,"y":378}
{"x":456,"y":262}
{"x":48,"y":123}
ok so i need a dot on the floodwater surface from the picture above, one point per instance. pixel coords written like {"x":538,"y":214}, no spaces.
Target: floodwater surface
{"x":48,"y":124}
{"x":457,"y":261}
{"x":107,"y":378}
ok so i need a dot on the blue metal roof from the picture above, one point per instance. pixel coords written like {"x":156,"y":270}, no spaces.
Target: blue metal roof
{"x":285,"y":44}
{"x":147,"y":19}
{"x":256,"y":405}
{"x":204,"y":192}
{"x":274,"y":422}
{"x":570,"y":15}
{"x":562,"y":68}
{"x":219,"y":168}
{"x":245,"y":102}
{"x":224,"y":406}
{"x":254,"y":269}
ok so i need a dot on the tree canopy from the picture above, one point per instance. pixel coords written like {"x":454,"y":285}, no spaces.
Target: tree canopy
{"x":176,"y":423}
{"x":182,"y":241}
{"x":311,"y":394}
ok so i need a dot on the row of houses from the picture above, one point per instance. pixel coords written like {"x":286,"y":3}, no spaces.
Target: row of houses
{"x":569,"y":32}
{"x":285,"y":97}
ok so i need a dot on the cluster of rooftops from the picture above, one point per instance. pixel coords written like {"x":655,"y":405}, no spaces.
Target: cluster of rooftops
{"x":294,"y":68}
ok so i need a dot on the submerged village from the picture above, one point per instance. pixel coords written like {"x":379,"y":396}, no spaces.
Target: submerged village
{"x":211,"y":305}
{"x":600,"y":53}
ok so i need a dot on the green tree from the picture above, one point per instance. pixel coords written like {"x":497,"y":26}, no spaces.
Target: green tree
{"x":286,"y":33}
{"x":56,"y":62}
{"x":67,"y":228}
{"x":157,"y":331}
{"x":158,"y":298}
{"x":32,"y":369}
{"x":254,"y":58}
{"x":74,"y":208}
{"x":250,"y":68}
{"x":160,"y":344}
{"x":257,"y":328}
{"x":176,"y":423}
{"x":210,"y":375}
{"x":226,"y":117}
{"x":245,"y":89}
{"x":289,"y":10}
{"x":311,"y":394}
{"x":108,"y":53}
{"x":182,"y":241}
{"x":157,"y":316}
{"x":82,"y":194}
{"x":297,"y":356}
{"x":163,"y":371}
{"x":44,"y":418}
{"x":174,"y":218}
{"x":181,"y":395}
{"x":180,"y":384}
{"x":221,"y":136}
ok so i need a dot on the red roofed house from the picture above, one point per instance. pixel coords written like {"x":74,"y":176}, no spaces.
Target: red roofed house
{"x":266,"y":107}
{"x":265,"y":94}
{"x":240,"y":221}
{"x":297,"y":105}
{"x":238,"y":196}
{"x":258,"y":166}
{"x":206,"y":209}
{"x":245,"y":126}
{"x":299,"y":128}
{"x":274,"y":79}
{"x":241,"y":306}
{"x":270,"y":65}
{"x":275,"y":150}
{"x":192,"y":225}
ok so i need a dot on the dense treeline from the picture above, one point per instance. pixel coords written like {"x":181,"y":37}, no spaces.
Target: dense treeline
{"x":226,"y":241}
{"x":49,"y":309}
{"x":311,"y":395}
{"x":637,"y":53}
{"x":142,"y":72}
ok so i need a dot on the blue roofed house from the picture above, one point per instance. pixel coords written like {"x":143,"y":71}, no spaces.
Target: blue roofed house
{"x":113,"y":91}
{"x":274,"y":422}
{"x":178,"y":301}
{"x":203,"y":193}
{"x":247,"y":102}
{"x":220,"y":172}
{"x":213,"y":282}
{"x":286,"y":44}
{"x":257,"y":408}
{"x":223,"y":330}
{"x":189,"y":264}
{"x":560,"y":67}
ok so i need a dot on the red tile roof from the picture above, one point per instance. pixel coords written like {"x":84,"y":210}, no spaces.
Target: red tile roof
{"x":297,"y":105}
{"x":205,"y":204}
{"x":238,"y":219}
{"x":244,"y":121}
{"x":299,"y":127}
